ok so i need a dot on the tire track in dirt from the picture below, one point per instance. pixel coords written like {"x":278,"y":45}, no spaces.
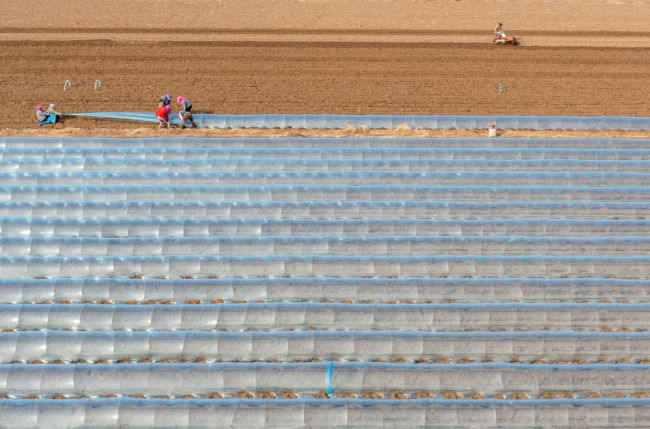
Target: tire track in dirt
{"x":618,"y":39}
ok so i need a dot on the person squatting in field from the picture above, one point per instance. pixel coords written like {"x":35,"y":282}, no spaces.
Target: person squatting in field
{"x":163,"y":115}
{"x":48,"y":116}
{"x":185,"y":113}
{"x":52,"y":110}
{"x":165,"y":100}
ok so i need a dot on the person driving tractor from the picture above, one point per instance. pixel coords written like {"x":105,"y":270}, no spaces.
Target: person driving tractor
{"x":499,"y":27}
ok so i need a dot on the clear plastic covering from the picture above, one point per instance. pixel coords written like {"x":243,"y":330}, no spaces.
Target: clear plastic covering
{"x":115,"y":346}
{"x":317,"y":289}
{"x":305,"y":179}
{"x":243,"y":165}
{"x":279,"y":413}
{"x":251,"y":227}
{"x":303,"y":143}
{"x":176,"y":379}
{"x":325,"y":316}
{"x":484,"y":153}
{"x":327,"y":209}
{"x":392,"y":121}
{"x":325,"y":245}
{"x":207,"y":266}
{"x":291,"y":265}
{"x":472,"y":193}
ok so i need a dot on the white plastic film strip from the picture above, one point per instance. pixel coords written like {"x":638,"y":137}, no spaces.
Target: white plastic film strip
{"x":229,"y":378}
{"x":329,"y":209}
{"x":53,"y":165}
{"x":413,"y":289}
{"x":251,"y":227}
{"x":588,"y":347}
{"x":333,"y":154}
{"x":279,"y":413}
{"x":367,"y":178}
{"x":303,"y":142}
{"x":325,"y":245}
{"x":539,"y":193}
{"x":392,"y":121}
{"x":301,"y":316}
{"x":209,"y":266}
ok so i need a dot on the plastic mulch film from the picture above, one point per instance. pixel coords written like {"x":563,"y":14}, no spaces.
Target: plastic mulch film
{"x":279,"y":413}
{"x":330,"y":154}
{"x":252,"y":227}
{"x":326,"y":209}
{"x":302,"y":143}
{"x":324,"y":245}
{"x":420,"y":290}
{"x":326,"y":316}
{"x":44,"y":193}
{"x":137,"y":413}
{"x":206,"y":266}
{"x":293,"y":165}
{"x":392,"y":121}
{"x":49,"y":346}
{"x":230,"y":378}
{"x":306,"y":179}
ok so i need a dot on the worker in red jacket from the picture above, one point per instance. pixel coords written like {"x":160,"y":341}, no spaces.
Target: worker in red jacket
{"x":163,"y":115}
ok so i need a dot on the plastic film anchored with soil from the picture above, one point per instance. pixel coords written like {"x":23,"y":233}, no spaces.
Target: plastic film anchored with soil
{"x":297,"y":282}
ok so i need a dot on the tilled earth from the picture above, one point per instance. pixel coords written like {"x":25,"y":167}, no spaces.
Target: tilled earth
{"x":256,"y":77}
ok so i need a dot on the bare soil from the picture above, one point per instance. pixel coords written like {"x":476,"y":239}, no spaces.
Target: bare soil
{"x":578,"y":57}
{"x":548,"y":16}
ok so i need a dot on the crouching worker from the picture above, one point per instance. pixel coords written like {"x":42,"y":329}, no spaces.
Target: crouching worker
{"x":185,"y":113}
{"x":165,"y":100}
{"x":52,"y":110}
{"x":163,"y":115}
{"x":44,"y":117}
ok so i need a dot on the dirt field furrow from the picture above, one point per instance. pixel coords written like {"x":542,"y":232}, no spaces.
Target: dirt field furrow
{"x":251,"y":78}
{"x":577,"y":57}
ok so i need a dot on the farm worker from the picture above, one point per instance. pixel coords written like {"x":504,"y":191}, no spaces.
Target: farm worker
{"x":44,"y":117}
{"x":165,"y":101}
{"x":163,"y":115}
{"x":499,"y":27}
{"x":53,"y":113}
{"x":185,"y":112}
{"x":52,"y":110}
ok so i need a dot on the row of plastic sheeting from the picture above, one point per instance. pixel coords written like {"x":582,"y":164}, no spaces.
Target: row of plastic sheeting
{"x":414,"y":289}
{"x":327,"y":209}
{"x":207,"y":266}
{"x":251,"y":227}
{"x":325,"y":245}
{"x":42,"y":165}
{"x":229,"y":378}
{"x":316,"y":154}
{"x":325,"y":193}
{"x":361,"y":413}
{"x":112,"y":347}
{"x":323,"y":316}
{"x":392,"y":121}
{"x":347,"y":178}
{"x":302,"y":143}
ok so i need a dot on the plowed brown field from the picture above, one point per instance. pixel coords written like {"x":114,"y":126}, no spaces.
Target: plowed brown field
{"x":375,"y":65}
